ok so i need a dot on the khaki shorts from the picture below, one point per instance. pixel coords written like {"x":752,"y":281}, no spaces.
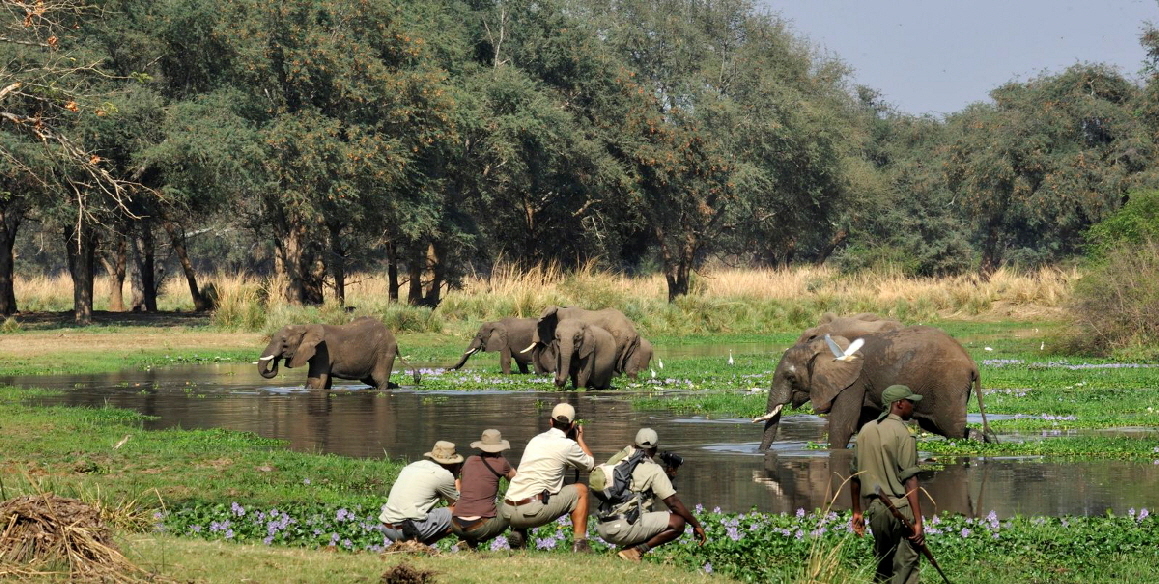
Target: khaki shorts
{"x":535,"y":513}
{"x":483,"y":531}
{"x":437,"y":521}
{"x":621,"y":533}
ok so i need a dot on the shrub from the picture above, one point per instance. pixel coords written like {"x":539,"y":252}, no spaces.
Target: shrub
{"x":1116,"y":306}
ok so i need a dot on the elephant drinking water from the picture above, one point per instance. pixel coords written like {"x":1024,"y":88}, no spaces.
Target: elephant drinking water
{"x":926,"y":359}
{"x":362,"y":350}
{"x":508,"y":336}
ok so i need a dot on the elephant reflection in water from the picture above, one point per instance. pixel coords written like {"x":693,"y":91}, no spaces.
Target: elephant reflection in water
{"x":820,"y":482}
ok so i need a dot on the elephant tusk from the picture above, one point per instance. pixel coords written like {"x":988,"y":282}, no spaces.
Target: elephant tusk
{"x":772,"y":414}
{"x":529,"y":347}
{"x":266,"y":358}
{"x":470,"y":352}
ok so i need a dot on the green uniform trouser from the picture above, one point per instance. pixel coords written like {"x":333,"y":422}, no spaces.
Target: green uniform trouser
{"x":897,"y":558}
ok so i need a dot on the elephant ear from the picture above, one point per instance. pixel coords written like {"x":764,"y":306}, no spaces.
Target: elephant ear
{"x":308,"y":345}
{"x":829,"y":376}
{"x":588,"y":346}
{"x":497,"y":340}
{"x":545,"y":328}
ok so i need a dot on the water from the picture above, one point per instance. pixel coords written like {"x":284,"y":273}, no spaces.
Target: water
{"x":722,"y":468}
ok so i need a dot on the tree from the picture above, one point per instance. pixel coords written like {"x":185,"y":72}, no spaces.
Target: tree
{"x":1049,"y":158}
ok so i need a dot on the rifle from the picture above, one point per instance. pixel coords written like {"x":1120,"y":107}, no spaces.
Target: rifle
{"x":905,"y":523}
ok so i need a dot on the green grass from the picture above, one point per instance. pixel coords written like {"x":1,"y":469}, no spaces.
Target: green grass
{"x":73,"y":450}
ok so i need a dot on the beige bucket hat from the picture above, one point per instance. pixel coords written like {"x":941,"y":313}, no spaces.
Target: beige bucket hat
{"x":492,"y":441}
{"x":444,"y":453}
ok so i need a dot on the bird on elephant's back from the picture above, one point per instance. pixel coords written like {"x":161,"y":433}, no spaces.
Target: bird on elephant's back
{"x":362,"y":350}
{"x":926,"y":359}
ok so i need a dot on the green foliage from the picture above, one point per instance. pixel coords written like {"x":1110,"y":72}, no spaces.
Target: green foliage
{"x":1136,"y":223}
{"x":1116,"y":306}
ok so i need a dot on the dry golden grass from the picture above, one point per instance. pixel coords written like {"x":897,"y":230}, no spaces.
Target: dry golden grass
{"x":721,"y":299}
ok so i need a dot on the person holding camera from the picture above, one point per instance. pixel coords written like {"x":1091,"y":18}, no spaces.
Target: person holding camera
{"x":632,"y":524}
{"x":537,"y":495}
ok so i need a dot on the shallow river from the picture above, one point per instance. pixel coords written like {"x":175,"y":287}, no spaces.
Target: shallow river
{"x":722,"y":467}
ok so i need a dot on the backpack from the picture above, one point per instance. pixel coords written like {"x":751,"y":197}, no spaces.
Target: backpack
{"x":609,"y":482}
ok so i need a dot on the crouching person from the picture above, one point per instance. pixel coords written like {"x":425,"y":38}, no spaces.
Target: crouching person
{"x":537,"y":495}
{"x":630,"y":521}
{"x":475,"y":519}
{"x":409,"y":512}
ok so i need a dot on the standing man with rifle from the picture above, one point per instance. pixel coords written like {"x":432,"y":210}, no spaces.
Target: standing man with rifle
{"x":886,"y":462}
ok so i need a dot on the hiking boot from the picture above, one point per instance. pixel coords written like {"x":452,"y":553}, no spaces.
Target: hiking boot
{"x":632,"y":554}
{"x":516,"y":540}
{"x":581,"y":546}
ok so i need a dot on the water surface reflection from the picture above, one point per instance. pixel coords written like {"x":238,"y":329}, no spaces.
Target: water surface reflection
{"x":722,"y":466}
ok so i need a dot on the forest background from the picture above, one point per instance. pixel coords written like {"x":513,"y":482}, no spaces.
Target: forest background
{"x":301,"y":142}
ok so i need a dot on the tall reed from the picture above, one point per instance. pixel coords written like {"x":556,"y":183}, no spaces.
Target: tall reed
{"x":723,"y":300}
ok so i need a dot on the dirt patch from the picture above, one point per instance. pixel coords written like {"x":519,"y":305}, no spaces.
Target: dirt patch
{"x":405,"y":573}
{"x":410,"y":547}
{"x":46,"y":344}
{"x":46,"y":534}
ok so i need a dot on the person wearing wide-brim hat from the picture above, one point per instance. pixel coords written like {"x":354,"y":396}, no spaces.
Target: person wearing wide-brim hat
{"x":475,"y":518}
{"x":409,"y":512}
{"x":886,"y":457}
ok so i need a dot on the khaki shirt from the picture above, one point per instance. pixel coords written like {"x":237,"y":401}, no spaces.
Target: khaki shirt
{"x":419,"y":486}
{"x":886,"y":455}
{"x":648,"y":476}
{"x":544,"y":461}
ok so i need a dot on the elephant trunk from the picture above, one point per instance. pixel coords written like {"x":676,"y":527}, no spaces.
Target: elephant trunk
{"x":264,"y":368}
{"x":563,"y":356}
{"x":779,"y":397}
{"x":770,"y":432}
{"x":471,"y":350}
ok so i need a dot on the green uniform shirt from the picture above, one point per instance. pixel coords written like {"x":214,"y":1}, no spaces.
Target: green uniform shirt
{"x":886,"y":455}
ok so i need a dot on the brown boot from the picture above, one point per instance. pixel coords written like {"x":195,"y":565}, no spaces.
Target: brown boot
{"x":631,"y":553}
{"x":581,"y":546}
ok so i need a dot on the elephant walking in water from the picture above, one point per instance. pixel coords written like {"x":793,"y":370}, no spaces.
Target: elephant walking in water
{"x":627,"y":340}
{"x":924,"y":358}
{"x":364,"y":350}
{"x":508,"y":336}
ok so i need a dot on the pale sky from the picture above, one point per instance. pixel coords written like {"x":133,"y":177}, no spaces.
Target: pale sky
{"x":937,"y":56}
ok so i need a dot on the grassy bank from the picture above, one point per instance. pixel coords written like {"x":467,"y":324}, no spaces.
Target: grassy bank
{"x":722,"y":300}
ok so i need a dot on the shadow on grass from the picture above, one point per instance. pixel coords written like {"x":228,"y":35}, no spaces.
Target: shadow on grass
{"x":47,"y":321}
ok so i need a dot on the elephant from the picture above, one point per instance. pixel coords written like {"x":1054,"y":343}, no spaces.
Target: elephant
{"x":850,"y":327}
{"x":584,"y":352}
{"x":924,"y":358}
{"x":508,"y":336}
{"x":611,"y":320}
{"x":363,"y":349}
{"x":643,"y":354}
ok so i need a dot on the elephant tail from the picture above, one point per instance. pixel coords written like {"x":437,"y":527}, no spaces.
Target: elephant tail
{"x":987,"y":433}
{"x":417,"y":375}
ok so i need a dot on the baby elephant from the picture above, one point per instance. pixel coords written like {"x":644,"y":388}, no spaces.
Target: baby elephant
{"x":362,"y":350}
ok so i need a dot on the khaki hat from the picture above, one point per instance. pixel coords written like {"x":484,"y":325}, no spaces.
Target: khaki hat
{"x":563,"y":412}
{"x":647,"y":438}
{"x":444,"y":453}
{"x":492,"y":441}
{"x":898,"y":392}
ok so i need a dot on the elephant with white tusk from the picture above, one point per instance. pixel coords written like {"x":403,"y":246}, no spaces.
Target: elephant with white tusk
{"x":926,"y":359}
{"x":609,"y":319}
{"x":507,"y":336}
{"x":364,"y":350}
{"x":585,"y":353}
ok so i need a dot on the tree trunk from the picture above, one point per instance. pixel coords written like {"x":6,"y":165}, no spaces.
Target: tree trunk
{"x":991,"y":252}
{"x":144,"y":279}
{"x":438,"y":276}
{"x":392,"y":273}
{"x":116,"y":271}
{"x":9,"y":223}
{"x":80,"y":247}
{"x":338,"y":264}
{"x":313,"y":278}
{"x":414,"y":295}
{"x":177,"y":239}
{"x":838,"y":239}
{"x":290,"y":249}
{"x":677,"y":266}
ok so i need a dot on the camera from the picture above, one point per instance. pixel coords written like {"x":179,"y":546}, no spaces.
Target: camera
{"x":671,"y":459}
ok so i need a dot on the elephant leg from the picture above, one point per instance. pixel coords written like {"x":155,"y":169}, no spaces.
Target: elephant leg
{"x":843,"y":417}
{"x":522,"y":367}
{"x":329,"y":381}
{"x":505,"y":360}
